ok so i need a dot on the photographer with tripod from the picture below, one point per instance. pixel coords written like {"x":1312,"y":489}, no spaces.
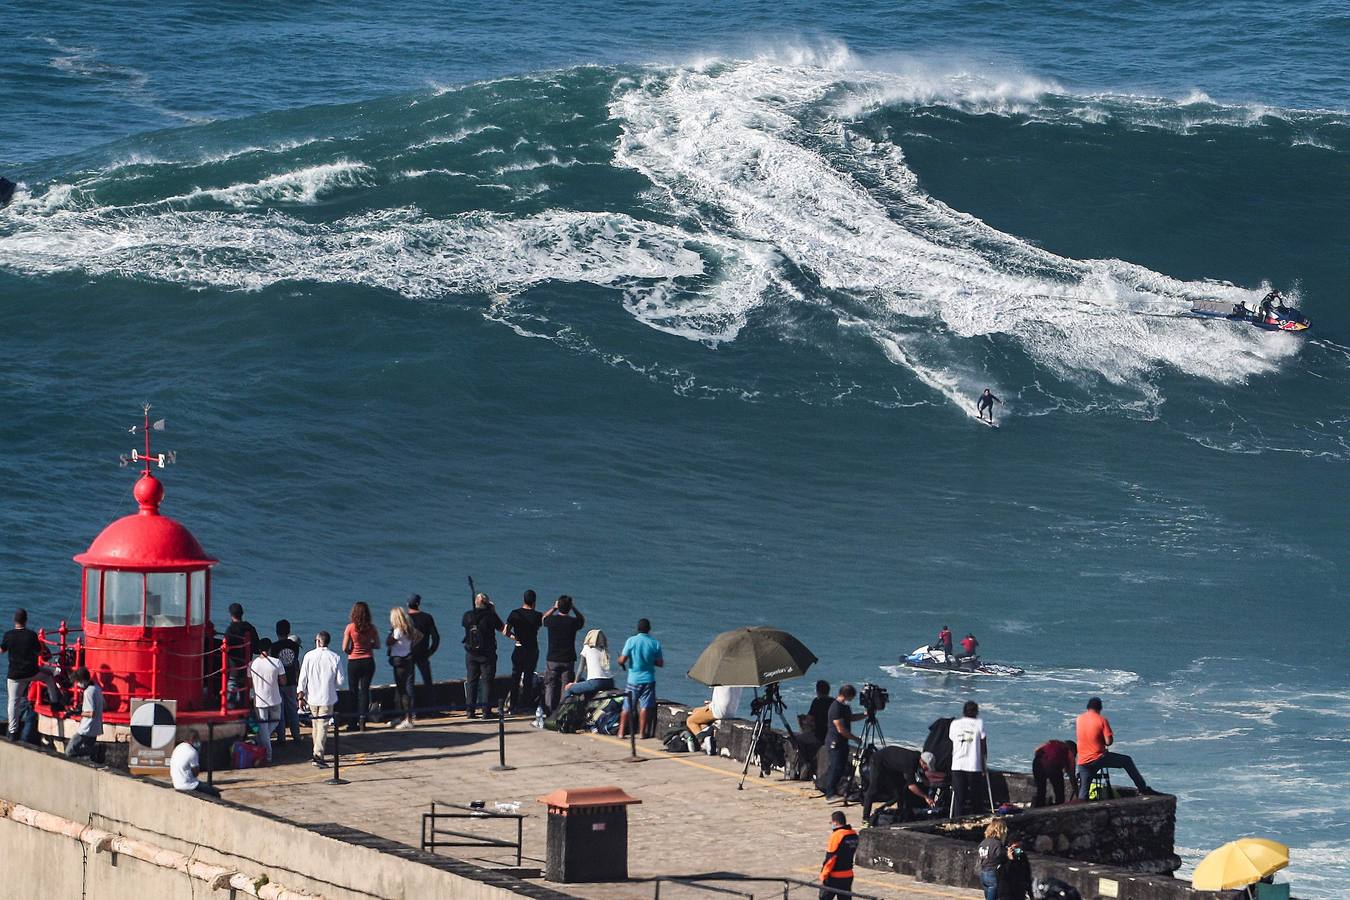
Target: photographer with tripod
{"x":839,"y":738}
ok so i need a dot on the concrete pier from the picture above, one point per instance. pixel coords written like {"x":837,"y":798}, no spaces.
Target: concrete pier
{"x":692,"y":820}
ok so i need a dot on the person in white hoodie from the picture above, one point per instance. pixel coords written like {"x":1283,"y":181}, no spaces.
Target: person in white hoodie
{"x":317,"y":689}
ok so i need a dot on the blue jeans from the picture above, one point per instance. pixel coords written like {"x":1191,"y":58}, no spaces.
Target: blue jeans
{"x":1107,"y":761}
{"x":290,"y":712}
{"x":989,"y":881}
{"x":590,"y":686}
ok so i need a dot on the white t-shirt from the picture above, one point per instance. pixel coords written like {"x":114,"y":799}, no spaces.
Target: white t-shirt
{"x":91,"y":711}
{"x":266,"y":673}
{"x":597,"y":666}
{"x":725,"y":702}
{"x":402,"y":644}
{"x":181,"y":764}
{"x":966,"y":735}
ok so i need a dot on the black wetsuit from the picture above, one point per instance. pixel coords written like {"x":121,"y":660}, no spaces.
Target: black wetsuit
{"x":987,"y":402}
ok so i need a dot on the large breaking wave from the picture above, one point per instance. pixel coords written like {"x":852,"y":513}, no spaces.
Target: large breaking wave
{"x":704,"y":195}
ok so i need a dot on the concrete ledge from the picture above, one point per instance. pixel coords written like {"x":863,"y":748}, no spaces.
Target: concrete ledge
{"x":219,"y":833}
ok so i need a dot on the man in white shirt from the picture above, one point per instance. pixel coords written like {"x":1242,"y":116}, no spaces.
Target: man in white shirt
{"x":723,"y":705}
{"x":184,"y":763}
{"x":969,"y":747}
{"x":268,"y":675}
{"x":317,"y":687}
{"x":85,"y":739}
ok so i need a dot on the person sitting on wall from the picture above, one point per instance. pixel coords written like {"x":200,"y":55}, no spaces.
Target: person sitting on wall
{"x":723,"y":705}
{"x":85,"y":740}
{"x":184,"y":764}
{"x":594,"y":674}
{"x":1094,"y":736}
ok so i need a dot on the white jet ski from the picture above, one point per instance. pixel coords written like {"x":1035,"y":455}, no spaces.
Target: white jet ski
{"x":935,"y":659}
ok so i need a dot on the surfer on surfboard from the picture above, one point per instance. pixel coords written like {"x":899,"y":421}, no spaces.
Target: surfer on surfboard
{"x":986,"y":403}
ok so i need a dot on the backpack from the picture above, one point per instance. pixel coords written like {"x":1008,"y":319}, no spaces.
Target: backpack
{"x":602,"y":716}
{"x":677,"y":740}
{"x":1054,"y":889}
{"x":569,"y":717}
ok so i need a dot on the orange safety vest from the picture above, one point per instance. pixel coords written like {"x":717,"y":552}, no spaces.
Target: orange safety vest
{"x":839,"y":853}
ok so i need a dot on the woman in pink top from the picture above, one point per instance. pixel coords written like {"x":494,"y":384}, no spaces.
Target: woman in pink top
{"x":359,"y":641}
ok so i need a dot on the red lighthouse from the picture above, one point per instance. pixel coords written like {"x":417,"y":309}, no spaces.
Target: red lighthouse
{"x":146,"y":611}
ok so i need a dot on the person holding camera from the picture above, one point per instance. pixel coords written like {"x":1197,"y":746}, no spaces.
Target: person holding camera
{"x":839,"y":738}
{"x":481,"y":625}
{"x":1014,"y":876}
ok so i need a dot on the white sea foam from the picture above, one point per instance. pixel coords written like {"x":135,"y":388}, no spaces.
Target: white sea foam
{"x":401,"y":250}
{"x":742,"y":138}
{"x":302,"y":186}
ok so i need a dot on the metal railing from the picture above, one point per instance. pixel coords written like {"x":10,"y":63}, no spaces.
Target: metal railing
{"x":432,"y":832}
{"x":143,"y":683}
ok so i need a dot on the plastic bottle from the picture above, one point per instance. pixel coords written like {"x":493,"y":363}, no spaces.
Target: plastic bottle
{"x":539,"y":717}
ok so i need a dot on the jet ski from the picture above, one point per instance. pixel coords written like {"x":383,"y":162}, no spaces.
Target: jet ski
{"x":934,"y":659}
{"x":1273,"y":314}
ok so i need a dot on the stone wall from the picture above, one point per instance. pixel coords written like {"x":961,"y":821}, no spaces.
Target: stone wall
{"x":1118,"y":848}
{"x":213,"y":832}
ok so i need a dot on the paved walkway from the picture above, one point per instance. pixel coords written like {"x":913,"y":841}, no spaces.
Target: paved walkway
{"x":692,"y":819}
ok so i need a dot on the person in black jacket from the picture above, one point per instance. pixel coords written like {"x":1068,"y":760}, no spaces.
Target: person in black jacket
{"x":522,"y":626}
{"x":481,"y":625}
{"x":423,"y":650}
{"x":563,"y":621}
{"x":1014,"y":876}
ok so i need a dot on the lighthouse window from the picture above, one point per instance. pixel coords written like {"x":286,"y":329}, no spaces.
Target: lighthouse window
{"x":198,"y":607}
{"x":91,"y":577}
{"x":166,"y":599}
{"x":122,"y":596}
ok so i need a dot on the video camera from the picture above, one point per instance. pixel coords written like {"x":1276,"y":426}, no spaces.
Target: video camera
{"x":873,"y":698}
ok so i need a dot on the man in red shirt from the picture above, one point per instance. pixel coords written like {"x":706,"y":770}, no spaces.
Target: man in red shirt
{"x":969,"y":645}
{"x":1094,"y":736}
{"x":1052,"y":761}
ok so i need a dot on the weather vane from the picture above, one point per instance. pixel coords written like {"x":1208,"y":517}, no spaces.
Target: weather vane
{"x":146,"y":457}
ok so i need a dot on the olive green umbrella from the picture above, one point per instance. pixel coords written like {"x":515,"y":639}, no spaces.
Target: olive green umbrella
{"x":752,"y":657}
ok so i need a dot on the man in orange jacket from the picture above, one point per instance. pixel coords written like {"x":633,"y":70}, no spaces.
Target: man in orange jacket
{"x":837,"y":872}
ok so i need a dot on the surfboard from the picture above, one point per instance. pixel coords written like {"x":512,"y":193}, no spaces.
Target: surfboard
{"x":987,"y":422}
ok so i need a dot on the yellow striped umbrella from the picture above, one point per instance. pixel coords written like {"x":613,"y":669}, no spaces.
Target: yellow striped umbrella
{"x":1239,"y":863}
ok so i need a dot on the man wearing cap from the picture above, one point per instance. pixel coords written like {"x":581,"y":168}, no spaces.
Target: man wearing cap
{"x":895,"y":775}
{"x":431,"y":638}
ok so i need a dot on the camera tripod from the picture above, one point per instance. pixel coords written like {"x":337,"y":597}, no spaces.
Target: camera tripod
{"x":770,"y":703}
{"x":871,"y":739}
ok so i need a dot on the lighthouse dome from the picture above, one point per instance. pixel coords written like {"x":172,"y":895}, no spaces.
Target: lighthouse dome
{"x":146,"y":540}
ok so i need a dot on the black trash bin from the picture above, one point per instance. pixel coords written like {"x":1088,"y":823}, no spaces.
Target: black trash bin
{"x":587,"y":834}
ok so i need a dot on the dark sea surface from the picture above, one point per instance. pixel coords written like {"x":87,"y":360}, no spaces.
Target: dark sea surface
{"x":681,"y":309}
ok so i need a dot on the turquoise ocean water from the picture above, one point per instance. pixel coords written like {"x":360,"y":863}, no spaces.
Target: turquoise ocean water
{"x":680,"y":309}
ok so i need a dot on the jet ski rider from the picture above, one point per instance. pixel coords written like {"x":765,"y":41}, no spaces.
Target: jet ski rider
{"x":945,"y":642}
{"x":969,"y":645}
{"x":1274,"y":299}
